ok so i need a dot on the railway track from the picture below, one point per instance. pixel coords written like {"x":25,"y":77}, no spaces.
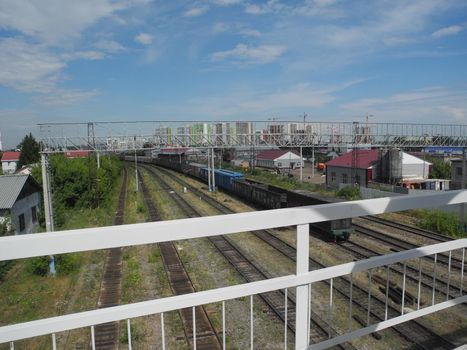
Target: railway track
{"x":106,"y":334}
{"x":397,"y":244}
{"x":412,"y":274}
{"x":413,"y":331}
{"x":407,"y":228}
{"x":252,"y":272}
{"x":180,"y":283}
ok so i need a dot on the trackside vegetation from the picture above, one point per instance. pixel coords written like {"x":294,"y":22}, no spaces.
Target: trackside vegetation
{"x":77,"y":184}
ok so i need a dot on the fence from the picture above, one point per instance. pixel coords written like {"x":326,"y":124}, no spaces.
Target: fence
{"x":16,"y":247}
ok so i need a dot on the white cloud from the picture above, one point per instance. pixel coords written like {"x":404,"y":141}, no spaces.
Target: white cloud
{"x":55,"y":22}
{"x":34,"y":61}
{"x":220,"y":27}
{"x":61,"y":97}
{"x":258,"y":102}
{"x":236,"y":28}
{"x":195,"y":11}
{"x":457,"y":113}
{"x":110,"y":46}
{"x":144,"y":38}
{"x":84,"y":55}
{"x":396,"y":41}
{"x":446,"y":31}
{"x":432,"y":104}
{"x":250,"y":32}
{"x":28,"y":67}
{"x":226,"y":2}
{"x":254,"y":9}
{"x":250,"y":55}
{"x":268,"y":7}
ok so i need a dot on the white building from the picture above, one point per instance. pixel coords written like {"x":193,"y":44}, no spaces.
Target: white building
{"x":278,"y":159}
{"x":19,"y":202}
{"x":10,"y":162}
{"x":414,"y":167}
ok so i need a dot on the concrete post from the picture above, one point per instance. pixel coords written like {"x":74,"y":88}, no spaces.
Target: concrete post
{"x":136,"y":173}
{"x":313,"y":159}
{"x":48,"y":208}
{"x":301,"y":164}
{"x":213,"y":171}
{"x":209,"y":169}
{"x":462,"y":205}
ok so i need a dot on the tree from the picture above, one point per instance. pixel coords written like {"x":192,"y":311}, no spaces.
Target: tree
{"x":29,"y":151}
{"x":440,"y":170}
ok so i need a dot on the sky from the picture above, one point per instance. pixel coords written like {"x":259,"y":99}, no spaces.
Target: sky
{"x":89,"y":60}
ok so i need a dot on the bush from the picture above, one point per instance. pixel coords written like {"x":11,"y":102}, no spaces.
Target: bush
{"x":64,"y":264}
{"x":444,"y":223}
{"x":38,"y":265}
{"x":350,"y":193}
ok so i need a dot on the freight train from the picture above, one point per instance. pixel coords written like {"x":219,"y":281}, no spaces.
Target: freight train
{"x":263,"y":195}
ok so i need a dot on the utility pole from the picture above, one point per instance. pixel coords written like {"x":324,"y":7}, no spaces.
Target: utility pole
{"x":353,"y":174}
{"x":367,"y":128}
{"x":48,"y":208}
{"x":313,"y":157}
{"x":136,"y":166}
{"x":213,"y":171}
{"x":209,"y":169}
{"x":462,"y":206}
{"x":302,"y":163}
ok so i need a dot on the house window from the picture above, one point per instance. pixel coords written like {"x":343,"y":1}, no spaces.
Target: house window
{"x":279,"y":164}
{"x":34,"y":214}
{"x":344,"y":178}
{"x":333,"y":176}
{"x":22,"y":224}
{"x":459,"y":171}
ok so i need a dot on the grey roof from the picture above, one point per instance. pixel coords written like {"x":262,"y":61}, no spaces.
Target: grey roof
{"x":10,"y":188}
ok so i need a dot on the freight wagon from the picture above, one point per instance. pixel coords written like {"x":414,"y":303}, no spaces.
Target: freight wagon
{"x":340,"y":228}
{"x":264,"y":195}
{"x":224,"y":178}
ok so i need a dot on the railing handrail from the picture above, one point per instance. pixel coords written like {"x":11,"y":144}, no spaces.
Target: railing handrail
{"x":122,"y":312}
{"x":30,"y":245}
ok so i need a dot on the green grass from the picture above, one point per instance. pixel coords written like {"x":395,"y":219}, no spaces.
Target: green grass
{"x":438,"y":221}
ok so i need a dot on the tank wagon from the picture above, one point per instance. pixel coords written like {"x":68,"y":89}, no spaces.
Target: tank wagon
{"x":263,"y":195}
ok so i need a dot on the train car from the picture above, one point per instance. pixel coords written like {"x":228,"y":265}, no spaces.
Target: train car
{"x":267,"y":196}
{"x":340,"y":229}
{"x":192,"y":169}
{"x":259,"y":193}
{"x":224,"y":178}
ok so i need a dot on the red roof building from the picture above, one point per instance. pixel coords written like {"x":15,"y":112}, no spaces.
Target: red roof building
{"x":10,"y":161}
{"x":339,"y":170}
{"x":365,"y":159}
{"x":10,"y":156}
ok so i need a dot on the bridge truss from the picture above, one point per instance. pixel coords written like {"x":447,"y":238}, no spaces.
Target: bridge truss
{"x":130,"y":135}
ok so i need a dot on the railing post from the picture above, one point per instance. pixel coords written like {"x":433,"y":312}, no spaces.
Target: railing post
{"x":301,"y":317}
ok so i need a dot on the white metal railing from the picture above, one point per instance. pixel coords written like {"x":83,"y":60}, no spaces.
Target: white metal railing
{"x":16,"y":247}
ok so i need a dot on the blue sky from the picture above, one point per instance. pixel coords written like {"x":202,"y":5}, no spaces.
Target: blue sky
{"x":402,"y":61}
